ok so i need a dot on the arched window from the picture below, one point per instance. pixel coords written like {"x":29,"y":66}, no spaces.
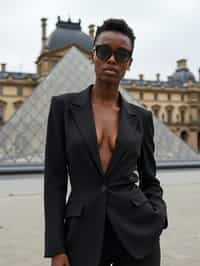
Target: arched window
{"x":198,"y":141}
{"x":2,"y":108}
{"x":169,"y":111}
{"x":182,"y":114}
{"x":18,"y":104}
{"x":156,"y":110}
{"x":169,"y":115}
{"x":184,"y":135}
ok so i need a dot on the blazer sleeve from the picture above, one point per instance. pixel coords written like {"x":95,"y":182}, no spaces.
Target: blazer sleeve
{"x":148,"y":183}
{"x":55,"y":179}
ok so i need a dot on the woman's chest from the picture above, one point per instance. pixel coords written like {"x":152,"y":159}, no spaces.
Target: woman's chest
{"x":106,"y":121}
{"x":97,"y":128}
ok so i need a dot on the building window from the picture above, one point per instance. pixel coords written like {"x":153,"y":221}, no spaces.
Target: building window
{"x":177,"y":118}
{"x":1,"y":90}
{"x":155,"y":96}
{"x":169,"y":111}
{"x":156,"y":110}
{"x":182,"y":110}
{"x":19,"y":91}
{"x":184,"y":136}
{"x":169,"y":116}
{"x":199,"y":115}
{"x":182,"y":97}
{"x":1,"y":113}
{"x":141,"y":95}
{"x":169,"y":97}
{"x":182,"y":116}
{"x":198,"y":139}
{"x":18,"y":104}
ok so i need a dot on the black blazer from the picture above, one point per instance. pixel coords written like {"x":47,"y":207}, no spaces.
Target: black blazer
{"x":137,"y":212}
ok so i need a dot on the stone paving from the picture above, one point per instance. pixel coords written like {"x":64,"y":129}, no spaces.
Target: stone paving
{"x":21,"y":228}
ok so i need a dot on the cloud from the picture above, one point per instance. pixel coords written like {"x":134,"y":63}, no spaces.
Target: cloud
{"x":165,"y":30}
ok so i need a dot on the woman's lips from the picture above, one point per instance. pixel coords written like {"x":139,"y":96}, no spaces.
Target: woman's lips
{"x":110,"y":71}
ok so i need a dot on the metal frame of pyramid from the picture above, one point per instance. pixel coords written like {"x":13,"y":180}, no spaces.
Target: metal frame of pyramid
{"x":22,"y":138}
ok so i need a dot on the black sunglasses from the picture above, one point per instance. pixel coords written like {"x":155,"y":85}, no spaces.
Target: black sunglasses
{"x":104,"y":52}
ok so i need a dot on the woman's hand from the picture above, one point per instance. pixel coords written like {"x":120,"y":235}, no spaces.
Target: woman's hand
{"x":60,"y":260}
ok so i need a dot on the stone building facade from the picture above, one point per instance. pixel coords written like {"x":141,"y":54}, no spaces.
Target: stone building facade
{"x":176,"y":101}
{"x":15,"y":87}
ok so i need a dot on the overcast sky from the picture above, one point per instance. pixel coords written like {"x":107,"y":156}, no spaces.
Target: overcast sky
{"x":165,"y":30}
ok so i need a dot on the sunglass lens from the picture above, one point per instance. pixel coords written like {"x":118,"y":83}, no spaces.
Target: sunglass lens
{"x":103,"y":52}
{"x":122,"y":55}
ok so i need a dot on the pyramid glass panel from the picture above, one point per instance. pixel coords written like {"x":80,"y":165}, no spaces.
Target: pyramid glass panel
{"x":22,"y":138}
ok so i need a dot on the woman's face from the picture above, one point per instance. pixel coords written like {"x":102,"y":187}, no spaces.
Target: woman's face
{"x":111,"y":71}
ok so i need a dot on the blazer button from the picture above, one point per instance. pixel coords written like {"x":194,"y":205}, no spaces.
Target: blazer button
{"x":103,"y":188}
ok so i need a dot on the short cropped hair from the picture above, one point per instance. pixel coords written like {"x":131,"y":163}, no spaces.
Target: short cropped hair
{"x":117,"y":25}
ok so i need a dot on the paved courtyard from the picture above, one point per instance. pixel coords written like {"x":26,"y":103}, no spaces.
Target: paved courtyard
{"x":21,"y":228}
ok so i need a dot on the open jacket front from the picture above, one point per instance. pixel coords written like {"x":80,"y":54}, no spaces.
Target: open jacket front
{"x":137,"y":212}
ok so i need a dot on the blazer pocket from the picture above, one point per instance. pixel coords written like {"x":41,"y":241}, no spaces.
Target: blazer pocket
{"x":73,"y":211}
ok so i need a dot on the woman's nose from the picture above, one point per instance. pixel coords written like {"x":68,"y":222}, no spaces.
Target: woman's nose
{"x":112,"y":59}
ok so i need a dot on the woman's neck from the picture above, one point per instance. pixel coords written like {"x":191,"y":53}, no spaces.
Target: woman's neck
{"x":105,"y":93}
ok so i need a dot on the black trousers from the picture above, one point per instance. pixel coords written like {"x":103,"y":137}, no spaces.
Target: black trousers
{"x":113,"y":252}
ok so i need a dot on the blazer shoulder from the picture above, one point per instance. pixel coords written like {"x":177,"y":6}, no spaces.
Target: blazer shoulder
{"x":63,"y":98}
{"x":67,"y":97}
{"x":140,"y":111}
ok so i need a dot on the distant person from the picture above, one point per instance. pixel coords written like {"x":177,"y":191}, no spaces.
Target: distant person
{"x":105,"y":146}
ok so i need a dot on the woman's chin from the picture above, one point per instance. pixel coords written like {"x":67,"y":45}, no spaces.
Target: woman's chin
{"x":110,"y":79}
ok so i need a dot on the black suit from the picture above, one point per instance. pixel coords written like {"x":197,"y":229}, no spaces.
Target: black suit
{"x":137,"y":213}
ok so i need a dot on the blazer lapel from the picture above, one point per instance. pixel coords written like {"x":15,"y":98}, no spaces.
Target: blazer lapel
{"x":82,"y":113}
{"x":81,"y":108}
{"x":127,"y":125}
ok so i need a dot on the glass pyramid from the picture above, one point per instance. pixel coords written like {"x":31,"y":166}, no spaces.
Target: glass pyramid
{"x":22,"y":138}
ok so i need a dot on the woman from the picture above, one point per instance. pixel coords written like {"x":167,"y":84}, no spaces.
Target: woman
{"x":105,"y":146}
